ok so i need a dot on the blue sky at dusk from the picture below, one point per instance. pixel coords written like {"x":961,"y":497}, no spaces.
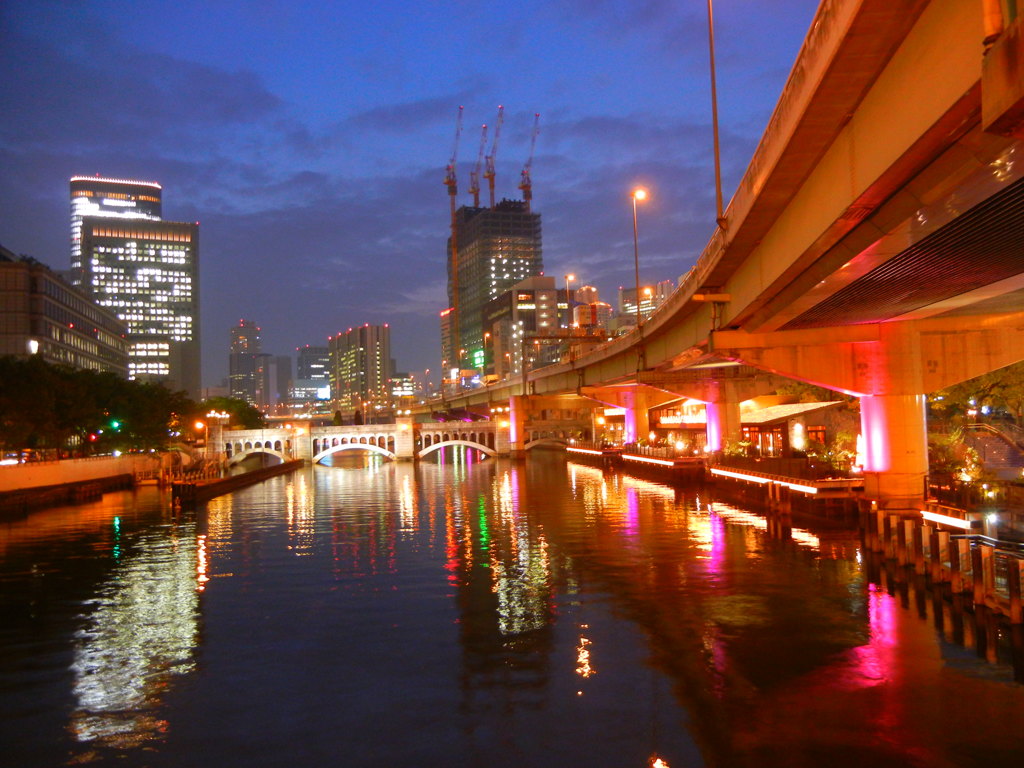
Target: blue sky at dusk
{"x":309,"y":139}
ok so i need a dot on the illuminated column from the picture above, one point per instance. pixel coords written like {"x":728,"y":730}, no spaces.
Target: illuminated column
{"x":302,"y":443}
{"x":723,"y":422}
{"x":896,"y":450}
{"x":518,"y":407}
{"x":405,"y":437}
{"x":214,"y":448}
{"x":638,"y":422}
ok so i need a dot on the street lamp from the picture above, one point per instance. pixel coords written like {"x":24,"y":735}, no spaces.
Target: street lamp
{"x":639,"y":194}
{"x":719,"y":214}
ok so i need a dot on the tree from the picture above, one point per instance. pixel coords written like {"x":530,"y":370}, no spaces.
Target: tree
{"x":63,"y":409}
{"x":1001,"y":389}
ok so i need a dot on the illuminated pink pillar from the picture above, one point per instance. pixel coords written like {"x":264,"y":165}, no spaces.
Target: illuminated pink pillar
{"x":637,"y":419}
{"x":723,"y":423}
{"x":896,"y":450}
{"x":517,"y":410}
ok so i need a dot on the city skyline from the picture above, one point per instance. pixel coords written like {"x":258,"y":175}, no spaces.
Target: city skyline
{"x":316,"y":166}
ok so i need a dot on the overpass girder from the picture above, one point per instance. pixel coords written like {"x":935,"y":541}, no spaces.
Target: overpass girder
{"x":910,"y":358}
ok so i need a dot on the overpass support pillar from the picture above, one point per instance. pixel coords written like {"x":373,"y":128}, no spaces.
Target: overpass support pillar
{"x":405,"y":438}
{"x":518,"y":408}
{"x":638,"y":420}
{"x":896,"y":451}
{"x":722,"y":415}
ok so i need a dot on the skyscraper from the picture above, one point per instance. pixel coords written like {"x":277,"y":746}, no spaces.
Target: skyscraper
{"x":112,"y":199}
{"x":246,"y":346}
{"x":361,"y":366}
{"x":312,"y":384}
{"x":145,"y":270}
{"x":497,"y":247}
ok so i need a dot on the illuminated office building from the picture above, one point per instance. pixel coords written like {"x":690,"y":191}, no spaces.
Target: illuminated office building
{"x":497,"y":248}
{"x":651,"y":297}
{"x":146,"y":272}
{"x":242,"y":363}
{"x":143,"y":269}
{"x":361,"y":368}
{"x":311,"y":387}
{"x":109,"y":198}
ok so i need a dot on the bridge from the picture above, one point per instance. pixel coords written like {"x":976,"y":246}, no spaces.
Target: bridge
{"x":404,"y":440}
{"x":873,"y":246}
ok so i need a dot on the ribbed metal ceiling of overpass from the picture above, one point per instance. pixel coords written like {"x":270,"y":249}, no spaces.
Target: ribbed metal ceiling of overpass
{"x":978,"y":248}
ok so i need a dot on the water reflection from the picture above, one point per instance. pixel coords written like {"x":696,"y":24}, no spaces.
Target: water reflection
{"x":500,"y":613}
{"x":140,"y":630}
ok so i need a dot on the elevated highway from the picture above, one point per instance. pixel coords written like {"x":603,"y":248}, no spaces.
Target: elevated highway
{"x":874,"y":245}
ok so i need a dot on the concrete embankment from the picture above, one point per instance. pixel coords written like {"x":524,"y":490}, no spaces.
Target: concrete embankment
{"x":190,"y":494}
{"x":39,"y":484}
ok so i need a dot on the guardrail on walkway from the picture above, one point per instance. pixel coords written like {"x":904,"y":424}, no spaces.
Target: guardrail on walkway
{"x":988,"y":570}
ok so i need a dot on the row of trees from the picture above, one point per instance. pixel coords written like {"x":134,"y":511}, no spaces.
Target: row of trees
{"x":62,"y":411}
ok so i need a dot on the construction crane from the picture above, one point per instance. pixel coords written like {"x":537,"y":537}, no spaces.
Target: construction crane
{"x":525,"y":184}
{"x":489,"y":171}
{"x":451,"y":182}
{"x":474,"y":175}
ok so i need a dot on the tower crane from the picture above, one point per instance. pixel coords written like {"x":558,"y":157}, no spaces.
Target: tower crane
{"x":489,"y":171}
{"x":451,"y":182}
{"x":525,"y":184}
{"x":474,"y":175}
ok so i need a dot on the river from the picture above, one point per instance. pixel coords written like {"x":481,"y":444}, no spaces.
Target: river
{"x":479,"y":613}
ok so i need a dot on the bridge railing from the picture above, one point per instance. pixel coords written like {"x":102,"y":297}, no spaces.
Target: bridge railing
{"x":803,"y":468}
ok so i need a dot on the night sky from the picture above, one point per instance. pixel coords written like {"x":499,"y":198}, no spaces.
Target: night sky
{"x":309,"y":139}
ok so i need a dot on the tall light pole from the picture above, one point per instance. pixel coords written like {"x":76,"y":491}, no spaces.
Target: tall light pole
{"x":639,"y":194}
{"x":719,"y":215}
{"x":568,"y":301}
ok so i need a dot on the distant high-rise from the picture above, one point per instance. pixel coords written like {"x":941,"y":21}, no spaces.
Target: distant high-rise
{"x":361,"y":366}
{"x":651,"y":297}
{"x":312,"y":383}
{"x":527,"y":310}
{"x":246,"y":346}
{"x":497,"y":247}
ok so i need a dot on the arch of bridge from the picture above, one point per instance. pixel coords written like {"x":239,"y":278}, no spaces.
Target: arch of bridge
{"x":353,"y":447}
{"x":245,"y":453}
{"x":546,"y":441}
{"x":468,"y":443}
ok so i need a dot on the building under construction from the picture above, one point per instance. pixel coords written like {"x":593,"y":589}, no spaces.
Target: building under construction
{"x":497,"y":248}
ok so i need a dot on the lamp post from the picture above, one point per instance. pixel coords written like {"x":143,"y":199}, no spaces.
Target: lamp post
{"x":639,"y":194}
{"x":719,"y":214}
{"x":568,"y":301}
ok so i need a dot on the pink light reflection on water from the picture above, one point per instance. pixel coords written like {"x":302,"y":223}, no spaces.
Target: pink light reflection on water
{"x":632,"y":511}
{"x":875,"y":661}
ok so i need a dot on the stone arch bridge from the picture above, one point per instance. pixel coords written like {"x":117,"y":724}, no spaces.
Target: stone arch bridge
{"x":404,"y":440}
